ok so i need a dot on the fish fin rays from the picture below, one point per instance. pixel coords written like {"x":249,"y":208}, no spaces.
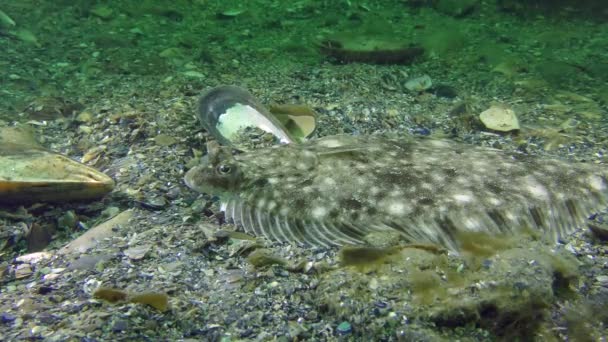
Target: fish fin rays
{"x":553,"y":220}
{"x":283,"y":228}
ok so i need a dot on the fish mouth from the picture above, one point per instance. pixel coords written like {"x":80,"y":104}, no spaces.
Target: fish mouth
{"x":189,"y":178}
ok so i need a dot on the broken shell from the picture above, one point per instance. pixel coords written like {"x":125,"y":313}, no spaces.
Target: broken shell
{"x":227,"y":111}
{"x":299,"y":120}
{"x":137,"y":252}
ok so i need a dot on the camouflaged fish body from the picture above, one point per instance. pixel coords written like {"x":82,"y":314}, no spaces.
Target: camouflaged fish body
{"x":338,"y":189}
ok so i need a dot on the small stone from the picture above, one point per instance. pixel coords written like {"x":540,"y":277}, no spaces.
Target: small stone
{"x":33,"y":258}
{"x":67,"y":221}
{"x":419,"y":84}
{"x":344,"y":328}
{"x":138,"y":252}
{"x":154,"y":203}
{"x":603,"y":280}
{"x":23,"y":271}
{"x":6,"y":317}
{"x":39,"y":237}
{"x":84,"y":117}
{"x":263,"y":257}
{"x":500,"y":119}
{"x":85,"y":129}
{"x":164,"y":140}
{"x":119,"y":326}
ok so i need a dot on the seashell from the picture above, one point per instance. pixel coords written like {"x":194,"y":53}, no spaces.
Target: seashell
{"x":29,"y":173}
{"x":300,"y":120}
{"x":349,"y":48}
{"x":228,"y":111}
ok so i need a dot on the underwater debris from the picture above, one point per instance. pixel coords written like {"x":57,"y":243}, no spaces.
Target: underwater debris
{"x":110,"y":295}
{"x":300,"y":120}
{"x":369,"y":49}
{"x":262,"y":257}
{"x":338,"y":189}
{"x":29,"y":173}
{"x":419,"y":84}
{"x":365,"y":258}
{"x":96,"y":234}
{"x":159,"y":301}
{"x":227,"y":111}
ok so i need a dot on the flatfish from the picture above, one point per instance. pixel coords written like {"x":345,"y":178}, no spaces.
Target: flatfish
{"x":338,"y":189}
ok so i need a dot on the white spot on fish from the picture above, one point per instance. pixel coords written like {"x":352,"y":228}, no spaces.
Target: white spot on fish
{"x":536,"y":189}
{"x":596,"y":182}
{"x":463,"y":198}
{"x":319,"y":212}
{"x":396,"y":208}
{"x":331,"y":143}
{"x":328,"y":181}
{"x":272,"y":205}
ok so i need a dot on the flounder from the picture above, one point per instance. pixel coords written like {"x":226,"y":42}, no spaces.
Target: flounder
{"x":338,"y":189}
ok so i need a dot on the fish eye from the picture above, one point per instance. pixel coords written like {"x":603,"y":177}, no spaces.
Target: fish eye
{"x":224,"y":169}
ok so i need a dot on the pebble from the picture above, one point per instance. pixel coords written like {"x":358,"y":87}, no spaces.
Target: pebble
{"x":499,"y":119}
{"x":419,"y":84}
{"x":154,"y":203}
{"x":344,"y":328}
{"x":6,"y":317}
{"x":120,"y":325}
{"x":137,"y":252}
{"x":603,"y":280}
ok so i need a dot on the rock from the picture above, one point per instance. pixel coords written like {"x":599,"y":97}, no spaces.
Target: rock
{"x":23,"y":271}
{"x":344,"y":328}
{"x":263,"y":257}
{"x":67,"y":221}
{"x":419,"y":84}
{"x":500,"y":119}
{"x":164,"y":140}
{"x":137,"y":252}
{"x":39,"y":237}
{"x":6,"y":317}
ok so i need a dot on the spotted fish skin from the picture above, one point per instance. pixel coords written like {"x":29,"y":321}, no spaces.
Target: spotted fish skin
{"x":337,"y":189}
